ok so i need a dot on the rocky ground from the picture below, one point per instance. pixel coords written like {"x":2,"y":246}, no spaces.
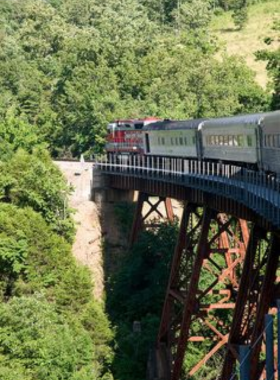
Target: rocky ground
{"x":87,"y":245}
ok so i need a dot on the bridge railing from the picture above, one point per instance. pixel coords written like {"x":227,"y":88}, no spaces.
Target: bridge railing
{"x":258,"y":191}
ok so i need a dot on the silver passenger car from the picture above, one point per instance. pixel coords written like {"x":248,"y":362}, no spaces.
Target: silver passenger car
{"x":172,"y":138}
{"x":270,"y":142}
{"x":232,"y":139}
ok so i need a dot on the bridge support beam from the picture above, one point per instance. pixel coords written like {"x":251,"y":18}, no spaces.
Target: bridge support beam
{"x":139,"y":218}
{"x":211,"y":247}
{"x":255,"y":296}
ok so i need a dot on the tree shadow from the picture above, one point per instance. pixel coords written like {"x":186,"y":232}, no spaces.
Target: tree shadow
{"x":229,"y":30}
{"x":135,"y":282}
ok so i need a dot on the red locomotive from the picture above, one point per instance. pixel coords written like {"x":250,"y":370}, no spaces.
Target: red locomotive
{"x":125,"y":137}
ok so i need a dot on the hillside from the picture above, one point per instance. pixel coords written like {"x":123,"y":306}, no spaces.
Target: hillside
{"x":67,"y":68}
{"x":246,"y":42}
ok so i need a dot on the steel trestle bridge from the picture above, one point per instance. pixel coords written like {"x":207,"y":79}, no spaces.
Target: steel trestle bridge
{"x":229,"y":234}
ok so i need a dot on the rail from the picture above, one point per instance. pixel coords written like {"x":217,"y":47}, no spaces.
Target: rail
{"x":256,"y":190}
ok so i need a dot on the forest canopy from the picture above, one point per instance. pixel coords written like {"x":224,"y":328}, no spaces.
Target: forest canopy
{"x":51,"y":327}
{"x":67,"y":67}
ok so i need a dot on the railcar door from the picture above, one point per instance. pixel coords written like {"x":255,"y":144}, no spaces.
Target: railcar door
{"x":199,"y":142}
{"x":147,"y":143}
{"x":259,"y":144}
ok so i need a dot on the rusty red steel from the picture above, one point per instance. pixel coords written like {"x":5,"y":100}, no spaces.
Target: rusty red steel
{"x":242,"y":267}
{"x":257,"y":287}
{"x":139,"y":218}
{"x":213,"y":235}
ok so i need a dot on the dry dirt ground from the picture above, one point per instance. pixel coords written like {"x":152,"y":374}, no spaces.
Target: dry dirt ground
{"x":87,"y":245}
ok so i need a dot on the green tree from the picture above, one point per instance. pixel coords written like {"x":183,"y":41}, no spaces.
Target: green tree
{"x":32,"y":256}
{"x":136,"y":294}
{"x":70,"y":67}
{"x":273,"y":67}
{"x":42,"y":344}
{"x":194,"y":14}
{"x":33,"y":180}
{"x":16,"y":133}
{"x":35,"y":259}
{"x":173,"y":87}
{"x":240,"y":13}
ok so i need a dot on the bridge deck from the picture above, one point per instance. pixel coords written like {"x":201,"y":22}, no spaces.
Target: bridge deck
{"x":258,"y":192}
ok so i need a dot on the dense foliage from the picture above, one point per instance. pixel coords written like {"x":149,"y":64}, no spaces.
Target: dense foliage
{"x":38,"y":343}
{"x":273,"y":66}
{"x":67,"y":67}
{"x":29,"y":178}
{"x":51,"y":328}
{"x":136,"y":295}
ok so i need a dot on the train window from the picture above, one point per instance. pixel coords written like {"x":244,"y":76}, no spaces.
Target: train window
{"x":230,"y":140}
{"x":235,"y":142}
{"x":249,"y":141}
{"x":171,"y":140}
{"x":225,"y":140}
{"x":139,"y":125}
{"x":176,"y":140}
{"x":212,"y":140}
{"x":221,"y":140}
{"x":158,"y":140}
{"x":216,"y":140}
{"x":181,"y":140}
{"x":193,"y":140}
{"x":186,"y":140}
{"x":278,"y":141}
{"x":163,"y":141}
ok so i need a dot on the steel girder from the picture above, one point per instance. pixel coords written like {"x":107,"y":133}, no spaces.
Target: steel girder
{"x":227,"y":311}
{"x":214,"y":245}
{"x":257,"y":286}
{"x":139,"y":218}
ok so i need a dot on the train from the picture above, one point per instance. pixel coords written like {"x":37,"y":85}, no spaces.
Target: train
{"x":252,"y":141}
{"x":125,"y":137}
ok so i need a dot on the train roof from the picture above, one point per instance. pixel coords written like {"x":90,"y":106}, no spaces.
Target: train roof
{"x":174,"y":124}
{"x":240,"y":119}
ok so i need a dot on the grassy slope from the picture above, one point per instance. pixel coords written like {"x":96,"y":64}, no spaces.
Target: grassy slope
{"x":247,"y":41}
